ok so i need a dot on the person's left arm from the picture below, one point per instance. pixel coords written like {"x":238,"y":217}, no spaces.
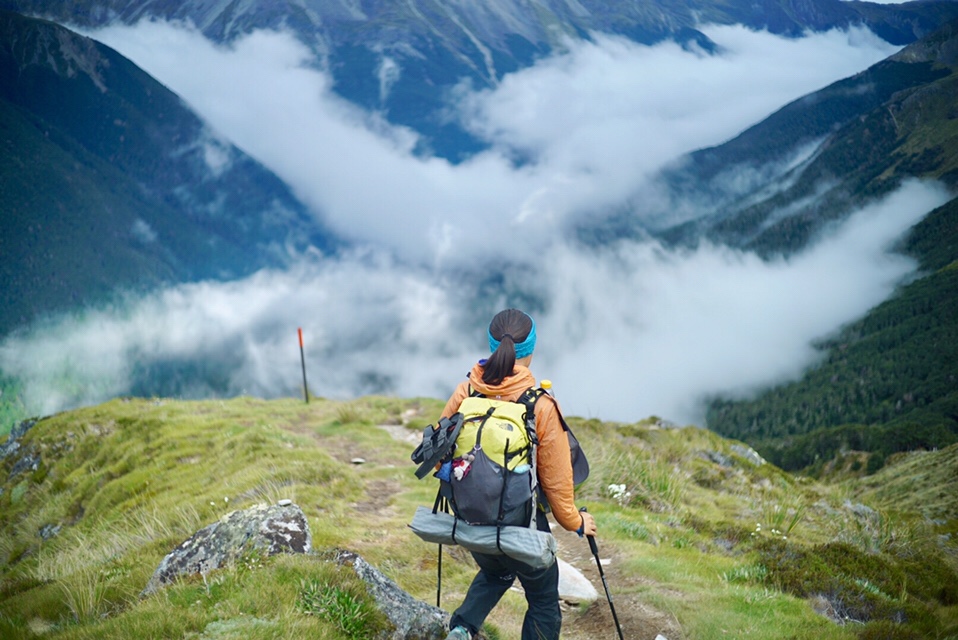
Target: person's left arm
{"x":554,"y":461}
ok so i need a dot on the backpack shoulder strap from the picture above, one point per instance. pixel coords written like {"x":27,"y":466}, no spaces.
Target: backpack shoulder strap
{"x":528,"y":399}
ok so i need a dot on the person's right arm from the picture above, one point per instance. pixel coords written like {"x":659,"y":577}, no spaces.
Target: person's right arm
{"x":452,"y":406}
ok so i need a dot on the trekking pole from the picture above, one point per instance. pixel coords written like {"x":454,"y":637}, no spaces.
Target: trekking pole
{"x":595,"y":552}
{"x":445,"y":509}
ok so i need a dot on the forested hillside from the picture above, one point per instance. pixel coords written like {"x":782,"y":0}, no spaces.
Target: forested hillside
{"x":110,"y":183}
{"x":889,"y":382}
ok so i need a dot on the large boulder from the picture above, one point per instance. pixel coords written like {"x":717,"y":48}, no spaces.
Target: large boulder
{"x":268,"y":530}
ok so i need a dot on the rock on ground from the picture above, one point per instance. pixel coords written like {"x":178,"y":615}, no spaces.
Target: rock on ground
{"x":412,"y":619}
{"x":261,"y":529}
{"x":574,"y":587}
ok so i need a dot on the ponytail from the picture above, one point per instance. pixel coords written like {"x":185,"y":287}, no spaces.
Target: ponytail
{"x":508,"y":328}
{"x":501,"y":363}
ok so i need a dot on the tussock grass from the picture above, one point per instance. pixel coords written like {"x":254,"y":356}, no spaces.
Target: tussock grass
{"x":677,"y":509}
{"x":351,"y":413}
{"x":779,"y":513}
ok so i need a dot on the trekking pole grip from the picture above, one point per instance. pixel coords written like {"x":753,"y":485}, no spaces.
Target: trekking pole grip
{"x":592,"y":545}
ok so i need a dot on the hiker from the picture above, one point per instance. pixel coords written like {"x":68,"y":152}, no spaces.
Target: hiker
{"x":505,"y":375}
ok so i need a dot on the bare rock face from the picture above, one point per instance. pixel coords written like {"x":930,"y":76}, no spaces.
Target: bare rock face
{"x":24,"y":459}
{"x":261,"y":529}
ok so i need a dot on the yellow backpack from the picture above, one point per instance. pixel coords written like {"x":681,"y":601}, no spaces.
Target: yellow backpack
{"x":486,"y":459}
{"x":492,"y":479}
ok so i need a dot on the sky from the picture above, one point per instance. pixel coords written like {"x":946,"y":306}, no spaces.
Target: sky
{"x":625,"y":332}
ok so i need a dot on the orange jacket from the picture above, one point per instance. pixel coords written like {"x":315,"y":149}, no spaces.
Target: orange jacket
{"x":553,"y":458}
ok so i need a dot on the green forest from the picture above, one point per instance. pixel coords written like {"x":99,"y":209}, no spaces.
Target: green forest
{"x":888,"y":382}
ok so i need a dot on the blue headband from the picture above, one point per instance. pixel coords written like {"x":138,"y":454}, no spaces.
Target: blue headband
{"x":524,"y":348}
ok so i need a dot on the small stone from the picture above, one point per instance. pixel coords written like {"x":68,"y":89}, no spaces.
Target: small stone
{"x":358,"y":461}
{"x":285,"y":502}
{"x":749,"y":454}
{"x":48,"y":531}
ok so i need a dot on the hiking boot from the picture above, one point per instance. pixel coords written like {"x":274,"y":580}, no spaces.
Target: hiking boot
{"x":459,"y":633}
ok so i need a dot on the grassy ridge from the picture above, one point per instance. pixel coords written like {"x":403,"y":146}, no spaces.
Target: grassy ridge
{"x":697,"y":529}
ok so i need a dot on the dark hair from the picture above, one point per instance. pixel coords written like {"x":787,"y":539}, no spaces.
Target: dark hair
{"x":508,"y":327}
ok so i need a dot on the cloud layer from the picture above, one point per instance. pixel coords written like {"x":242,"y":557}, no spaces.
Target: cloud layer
{"x":591,"y":124}
{"x":626,"y":331}
{"x":632,"y":332}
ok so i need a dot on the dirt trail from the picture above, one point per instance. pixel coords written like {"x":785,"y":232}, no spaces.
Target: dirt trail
{"x":638,"y":619}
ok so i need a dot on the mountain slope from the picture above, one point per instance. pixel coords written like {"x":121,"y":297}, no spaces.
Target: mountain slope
{"x":890,"y":381}
{"x":57,"y":210}
{"x":403,"y":58}
{"x":776,"y":185}
{"x":95,"y":149}
{"x":912,"y":134}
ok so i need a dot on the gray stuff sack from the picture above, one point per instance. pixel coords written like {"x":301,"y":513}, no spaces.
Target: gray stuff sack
{"x":536,"y":548}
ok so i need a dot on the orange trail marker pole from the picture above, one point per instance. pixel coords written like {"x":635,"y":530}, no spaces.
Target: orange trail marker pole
{"x":302,"y":359}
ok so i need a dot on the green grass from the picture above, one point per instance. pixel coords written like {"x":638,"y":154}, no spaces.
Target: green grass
{"x":697,"y":542}
{"x":920,"y":482}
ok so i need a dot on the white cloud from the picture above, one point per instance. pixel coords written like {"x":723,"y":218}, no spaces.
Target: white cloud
{"x":620,"y":109}
{"x":627,"y":331}
{"x":143,"y":232}
{"x":591,"y":123}
{"x":655,"y":332}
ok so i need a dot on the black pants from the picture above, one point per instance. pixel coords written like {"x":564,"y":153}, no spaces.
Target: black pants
{"x":543,"y":619}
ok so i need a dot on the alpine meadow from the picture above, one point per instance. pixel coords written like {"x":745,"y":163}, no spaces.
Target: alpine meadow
{"x":248,"y":249}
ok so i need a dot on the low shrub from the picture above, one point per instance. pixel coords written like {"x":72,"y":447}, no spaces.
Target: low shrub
{"x":863,"y":587}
